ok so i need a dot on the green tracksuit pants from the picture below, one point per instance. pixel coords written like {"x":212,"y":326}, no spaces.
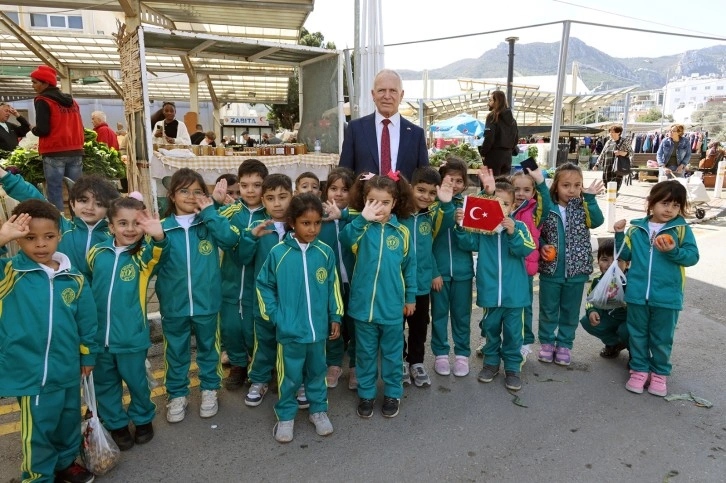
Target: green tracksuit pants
{"x":370,"y":339}
{"x":110,"y":372}
{"x":237,"y":329}
{"x":504,"y":331}
{"x":651,"y":331}
{"x":263,"y":354}
{"x":50,"y":428}
{"x":610,"y":330}
{"x":455,"y":299}
{"x":177,"y":353}
{"x":301,"y":364}
{"x":335,"y":349}
{"x":528,"y":316}
{"x":559,"y":310}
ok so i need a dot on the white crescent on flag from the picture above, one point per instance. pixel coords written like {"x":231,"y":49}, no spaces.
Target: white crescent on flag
{"x":473,"y":217}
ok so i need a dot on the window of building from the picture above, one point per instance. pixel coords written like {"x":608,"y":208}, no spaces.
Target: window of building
{"x":678,"y":89}
{"x":13,"y":16}
{"x":693,"y":88}
{"x":719,"y":88}
{"x":43,"y":20}
{"x":707,"y":88}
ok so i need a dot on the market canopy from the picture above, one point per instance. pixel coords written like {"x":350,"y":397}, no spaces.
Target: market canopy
{"x":546,"y":129}
{"x":462,"y":125}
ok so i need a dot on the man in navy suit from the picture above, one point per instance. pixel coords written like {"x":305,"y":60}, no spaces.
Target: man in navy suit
{"x":366,"y":139}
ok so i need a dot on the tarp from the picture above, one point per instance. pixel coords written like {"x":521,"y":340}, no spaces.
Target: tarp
{"x":546,"y":129}
{"x":463,"y":125}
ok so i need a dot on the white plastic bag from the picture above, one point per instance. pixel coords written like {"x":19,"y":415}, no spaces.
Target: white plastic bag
{"x":98,"y":451}
{"x":609,"y":293}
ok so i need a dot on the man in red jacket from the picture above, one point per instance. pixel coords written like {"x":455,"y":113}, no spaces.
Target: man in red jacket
{"x":104,"y":133}
{"x":60,"y":129}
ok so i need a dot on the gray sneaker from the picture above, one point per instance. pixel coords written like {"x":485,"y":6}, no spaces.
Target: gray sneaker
{"x":512,"y":381}
{"x":488,"y":373}
{"x":256,"y":393}
{"x":322,"y":424}
{"x":420,"y":377}
{"x":283,"y":431}
{"x":406,"y":375}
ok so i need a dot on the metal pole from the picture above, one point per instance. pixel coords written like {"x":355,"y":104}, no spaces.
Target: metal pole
{"x":354,"y":90}
{"x":665,"y":92}
{"x":718,"y":186}
{"x":611,"y":196}
{"x":557,"y":114}
{"x":510,"y":69}
{"x":626,"y":108}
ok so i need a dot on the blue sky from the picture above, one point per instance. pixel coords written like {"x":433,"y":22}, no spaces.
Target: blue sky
{"x":407,"y":20}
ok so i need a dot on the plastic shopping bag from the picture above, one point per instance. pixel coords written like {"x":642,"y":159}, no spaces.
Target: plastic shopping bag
{"x":153,"y":383}
{"x":609,"y":293}
{"x":98,"y":450}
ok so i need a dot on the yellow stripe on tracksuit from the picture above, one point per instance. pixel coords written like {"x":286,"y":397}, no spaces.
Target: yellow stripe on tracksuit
{"x":218,"y":347}
{"x":280,"y":365}
{"x":26,"y":437}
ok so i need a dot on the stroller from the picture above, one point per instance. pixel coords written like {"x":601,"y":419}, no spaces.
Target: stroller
{"x":697,"y":194}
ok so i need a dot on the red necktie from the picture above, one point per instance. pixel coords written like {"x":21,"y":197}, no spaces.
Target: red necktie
{"x":385,"y":149}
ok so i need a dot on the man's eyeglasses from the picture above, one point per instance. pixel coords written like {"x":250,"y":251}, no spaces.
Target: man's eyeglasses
{"x":186,"y":192}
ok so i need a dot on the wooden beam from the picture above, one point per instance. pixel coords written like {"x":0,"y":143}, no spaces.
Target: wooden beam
{"x":201,"y":47}
{"x":212,"y":93}
{"x":113,"y":84}
{"x":262,"y":53}
{"x":34,"y":46}
{"x":188,"y":68}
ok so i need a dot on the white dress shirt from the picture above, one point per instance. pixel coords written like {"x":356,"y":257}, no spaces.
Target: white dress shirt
{"x":394,"y":129}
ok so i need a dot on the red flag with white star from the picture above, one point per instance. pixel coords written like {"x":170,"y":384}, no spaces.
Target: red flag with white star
{"x":483,"y":214}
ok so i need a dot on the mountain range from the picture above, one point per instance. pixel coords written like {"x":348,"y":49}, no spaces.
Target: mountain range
{"x":598,"y":70}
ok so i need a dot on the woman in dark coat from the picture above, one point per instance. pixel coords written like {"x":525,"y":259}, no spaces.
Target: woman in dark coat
{"x":500,"y":136}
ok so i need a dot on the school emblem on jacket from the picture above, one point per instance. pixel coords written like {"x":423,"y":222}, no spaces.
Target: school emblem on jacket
{"x":425,"y":228}
{"x":392,"y":242}
{"x":128,"y":272}
{"x":68,"y":296}
{"x":321,"y":275}
{"x":205,"y":247}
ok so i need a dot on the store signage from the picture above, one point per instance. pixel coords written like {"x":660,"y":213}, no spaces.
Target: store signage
{"x":246,"y":121}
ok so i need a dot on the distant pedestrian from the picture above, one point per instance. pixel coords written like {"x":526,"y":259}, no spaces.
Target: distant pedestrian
{"x":500,"y":135}
{"x":104,"y":133}
{"x":9,"y":131}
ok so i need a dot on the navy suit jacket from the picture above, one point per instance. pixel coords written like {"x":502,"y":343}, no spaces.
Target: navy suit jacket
{"x":360,"y":147}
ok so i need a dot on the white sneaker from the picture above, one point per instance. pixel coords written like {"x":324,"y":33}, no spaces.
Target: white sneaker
{"x":209,"y":406}
{"x":256,"y":393}
{"x":406,"y":375}
{"x":283,"y":431}
{"x":420,"y":377}
{"x":525,"y":350}
{"x":176,"y":409}
{"x":302,"y":398}
{"x":322,"y":424}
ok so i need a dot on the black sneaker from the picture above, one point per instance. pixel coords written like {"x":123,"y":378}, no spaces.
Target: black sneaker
{"x":144,"y":433}
{"x":612,"y":351}
{"x":390,"y":407}
{"x":488,"y":373}
{"x":236,"y":378}
{"x":123,"y":438}
{"x":365,"y":408}
{"x":512,"y":381}
{"x":75,"y":473}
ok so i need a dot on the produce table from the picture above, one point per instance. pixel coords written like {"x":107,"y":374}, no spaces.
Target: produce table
{"x":210,"y":167}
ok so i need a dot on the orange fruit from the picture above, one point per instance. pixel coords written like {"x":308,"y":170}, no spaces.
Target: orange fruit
{"x":548,"y":253}
{"x":665,"y":238}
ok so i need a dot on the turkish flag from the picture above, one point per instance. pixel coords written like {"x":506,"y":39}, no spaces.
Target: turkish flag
{"x":483,"y":214}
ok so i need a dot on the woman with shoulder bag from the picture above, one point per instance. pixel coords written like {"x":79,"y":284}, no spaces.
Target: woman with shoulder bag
{"x":500,"y":136}
{"x":614,"y":147}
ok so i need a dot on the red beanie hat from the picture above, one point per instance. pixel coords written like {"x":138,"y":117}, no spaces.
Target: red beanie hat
{"x":45,"y":74}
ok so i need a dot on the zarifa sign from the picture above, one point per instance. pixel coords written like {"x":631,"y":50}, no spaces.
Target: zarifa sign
{"x":246,"y":121}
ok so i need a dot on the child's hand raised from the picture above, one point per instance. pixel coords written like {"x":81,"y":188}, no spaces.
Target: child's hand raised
{"x":372,"y":211}
{"x":261,"y":229}
{"x":16,"y":227}
{"x":331,"y":209}
{"x":486,"y":176}
{"x":220,"y":192}
{"x":203,"y":202}
{"x":445,"y":192}
{"x":595,"y":187}
{"x":537,"y":174}
{"x":508,"y":224}
{"x":150,"y":224}
{"x":619,"y":226}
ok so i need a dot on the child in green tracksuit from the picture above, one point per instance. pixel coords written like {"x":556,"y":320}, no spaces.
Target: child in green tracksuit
{"x":299,"y":293}
{"x":121,"y":268}
{"x":434,"y":214}
{"x":89,"y":198}
{"x":255,"y":244}
{"x":501,"y":288}
{"x":658,"y":247}
{"x":607,"y":325}
{"x":383,"y":285}
{"x":238,"y":282}
{"x":42,"y":358}
{"x":565,"y":262}
{"x":451,"y":293}
{"x":336,"y":198}
{"x":188,"y":291}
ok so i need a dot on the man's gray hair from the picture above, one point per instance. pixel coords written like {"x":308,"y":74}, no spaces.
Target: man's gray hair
{"x":99,"y":114}
{"x":389,"y":72}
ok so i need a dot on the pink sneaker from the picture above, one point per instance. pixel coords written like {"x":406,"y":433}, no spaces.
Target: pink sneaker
{"x":546,"y":353}
{"x":333,"y":375}
{"x":461,"y":366}
{"x":637,"y":381}
{"x":562,"y":356}
{"x":441,"y":366}
{"x":657,"y":385}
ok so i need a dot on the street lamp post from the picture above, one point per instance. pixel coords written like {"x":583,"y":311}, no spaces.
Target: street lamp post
{"x":665,"y":93}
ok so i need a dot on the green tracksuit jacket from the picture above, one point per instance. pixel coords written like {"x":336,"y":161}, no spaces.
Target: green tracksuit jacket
{"x":344,"y":259}
{"x":189,"y":285}
{"x":452,"y":263}
{"x":657,"y":278}
{"x":501,"y":277}
{"x":424,"y":227}
{"x":119,"y":281}
{"x":384,"y":278}
{"x":299,"y":291}
{"x":45,"y":352}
